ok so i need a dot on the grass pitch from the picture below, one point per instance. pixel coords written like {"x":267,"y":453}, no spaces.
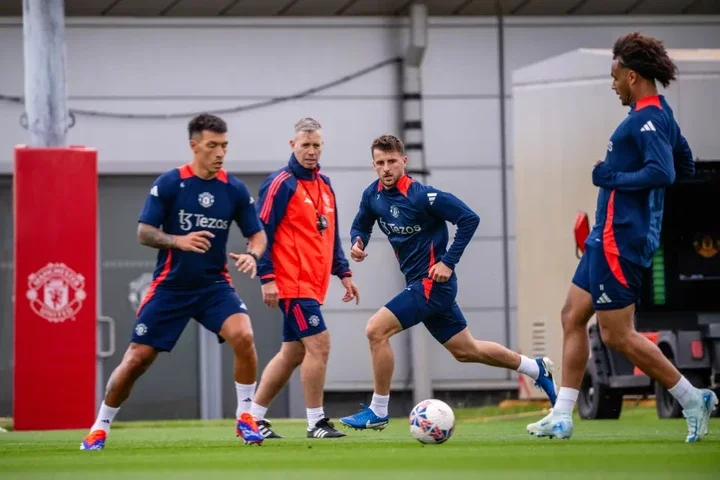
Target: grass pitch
{"x":483,"y":446}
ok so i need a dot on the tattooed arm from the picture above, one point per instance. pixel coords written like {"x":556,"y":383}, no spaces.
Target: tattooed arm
{"x":198,"y":242}
{"x":154,"y":237}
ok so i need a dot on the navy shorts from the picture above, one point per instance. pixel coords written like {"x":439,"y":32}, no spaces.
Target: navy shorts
{"x":612,"y":281}
{"x":164,"y":313}
{"x":301,"y":318}
{"x":431,"y":303}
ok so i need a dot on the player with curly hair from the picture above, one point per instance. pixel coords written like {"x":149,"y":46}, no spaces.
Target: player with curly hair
{"x":645,"y":154}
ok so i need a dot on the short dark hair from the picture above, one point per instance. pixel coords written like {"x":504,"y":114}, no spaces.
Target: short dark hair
{"x":206,"y":121}
{"x":646,"y":56}
{"x":388,"y":143}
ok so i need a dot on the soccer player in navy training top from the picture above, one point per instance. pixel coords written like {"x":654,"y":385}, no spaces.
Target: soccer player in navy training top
{"x":414,"y":218}
{"x":645,"y":154}
{"x":187,"y":217}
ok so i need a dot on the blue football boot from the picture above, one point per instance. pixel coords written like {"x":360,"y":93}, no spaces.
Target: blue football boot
{"x":365,"y":419}
{"x":545,"y":380}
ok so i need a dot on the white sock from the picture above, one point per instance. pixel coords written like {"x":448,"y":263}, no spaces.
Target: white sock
{"x":683,"y":392}
{"x":314,"y":415}
{"x":105,"y":417}
{"x":245,"y":394}
{"x":379,"y":404}
{"x":529,"y":367}
{"x":258,"y":411}
{"x":566,"y":400}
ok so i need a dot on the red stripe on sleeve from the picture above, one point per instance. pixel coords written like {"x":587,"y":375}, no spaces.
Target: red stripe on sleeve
{"x":272,"y":191}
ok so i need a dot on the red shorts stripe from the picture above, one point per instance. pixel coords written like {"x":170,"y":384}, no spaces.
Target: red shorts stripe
{"x":612,"y":254}
{"x":300,"y":318}
{"x":616,"y":269}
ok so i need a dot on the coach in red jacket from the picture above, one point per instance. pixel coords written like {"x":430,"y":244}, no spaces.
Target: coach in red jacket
{"x":297,"y":207}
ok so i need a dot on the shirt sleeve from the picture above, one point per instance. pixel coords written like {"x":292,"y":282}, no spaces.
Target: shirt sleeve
{"x":246,"y":216}
{"x":274,"y":197}
{"x":340,"y":265}
{"x":657,"y":170}
{"x":158,"y":202}
{"x":448,"y":207}
{"x":362,"y":225}
{"x":683,"y":158}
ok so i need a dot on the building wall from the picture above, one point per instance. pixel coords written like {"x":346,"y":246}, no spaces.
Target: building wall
{"x":180,"y":67}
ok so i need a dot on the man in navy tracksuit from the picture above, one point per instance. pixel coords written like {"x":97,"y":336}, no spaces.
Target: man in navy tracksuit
{"x":645,"y":154}
{"x":414,"y":218}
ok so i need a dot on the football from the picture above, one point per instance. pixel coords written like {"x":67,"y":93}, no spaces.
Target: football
{"x":432,"y":421}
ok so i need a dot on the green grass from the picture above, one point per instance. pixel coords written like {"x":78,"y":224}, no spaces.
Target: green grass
{"x":637,"y":446}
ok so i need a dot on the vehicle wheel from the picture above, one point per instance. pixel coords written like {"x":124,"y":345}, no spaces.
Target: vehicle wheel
{"x":665,"y":404}
{"x":597,"y":401}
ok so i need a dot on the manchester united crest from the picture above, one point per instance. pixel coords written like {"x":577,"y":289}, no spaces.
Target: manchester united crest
{"x":56,"y":292}
{"x":206,"y":199}
{"x":706,"y":246}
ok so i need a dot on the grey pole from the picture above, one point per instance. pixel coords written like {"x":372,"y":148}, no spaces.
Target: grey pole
{"x":210,"y":374}
{"x":414,"y":147}
{"x":503,"y":178}
{"x":45,"y":82}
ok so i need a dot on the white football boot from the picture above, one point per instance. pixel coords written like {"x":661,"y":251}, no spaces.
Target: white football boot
{"x":697,"y":415}
{"x":554,"y":425}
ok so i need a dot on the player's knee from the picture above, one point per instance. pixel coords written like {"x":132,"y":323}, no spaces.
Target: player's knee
{"x":381,"y":327}
{"x":295,"y":359}
{"x":462,"y":355}
{"x":241,"y":339}
{"x":375,"y":333}
{"x":576,"y":311}
{"x":570,"y":318}
{"x":321,"y":353}
{"x":138,"y":359}
{"x":292,"y":357}
{"x":614,"y":338}
{"x":462,"y":347}
{"x":318,"y":346}
{"x":322,"y":350}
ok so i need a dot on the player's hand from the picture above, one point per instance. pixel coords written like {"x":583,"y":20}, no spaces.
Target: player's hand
{"x":356,"y":252}
{"x":198,"y":242}
{"x":245,"y":263}
{"x":270,"y":294}
{"x":440,"y":272}
{"x":351,"y":290}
